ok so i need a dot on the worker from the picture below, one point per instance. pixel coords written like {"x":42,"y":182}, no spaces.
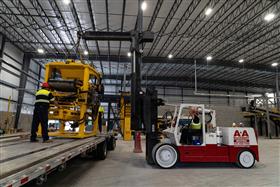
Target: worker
{"x":100,"y":117}
{"x":40,"y":114}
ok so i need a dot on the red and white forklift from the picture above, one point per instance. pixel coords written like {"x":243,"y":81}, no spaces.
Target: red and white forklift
{"x":182,"y":143}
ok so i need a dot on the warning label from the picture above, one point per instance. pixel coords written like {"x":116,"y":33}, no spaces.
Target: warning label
{"x":241,"y":138}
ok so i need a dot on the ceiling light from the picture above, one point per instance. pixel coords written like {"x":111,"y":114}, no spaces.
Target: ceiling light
{"x":129,"y":54}
{"x":67,"y":2}
{"x":274,"y":64}
{"x":208,"y":11}
{"x":40,"y":50}
{"x":85,"y":52}
{"x":144,"y":6}
{"x":208,"y":58}
{"x":269,"y":17}
{"x":241,"y":60}
{"x":170,"y":56}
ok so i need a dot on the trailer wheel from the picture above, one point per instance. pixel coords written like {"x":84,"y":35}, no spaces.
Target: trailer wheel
{"x":245,"y":159}
{"x":112,"y":143}
{"x":101,"y":151}
{"x":165,"y":155}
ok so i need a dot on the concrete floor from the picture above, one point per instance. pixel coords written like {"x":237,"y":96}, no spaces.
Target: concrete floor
{"x":124,"y":168}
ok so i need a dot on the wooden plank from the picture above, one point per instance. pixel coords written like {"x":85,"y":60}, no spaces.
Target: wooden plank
{"x":13,"y":166}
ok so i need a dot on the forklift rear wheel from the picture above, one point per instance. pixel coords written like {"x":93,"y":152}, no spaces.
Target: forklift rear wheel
{"x":101,"y":151}
{"x":245,"y":159}
{"x":165,"y":156}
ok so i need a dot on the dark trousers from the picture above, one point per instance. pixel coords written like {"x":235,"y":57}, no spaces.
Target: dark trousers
{"x":40,"y":116}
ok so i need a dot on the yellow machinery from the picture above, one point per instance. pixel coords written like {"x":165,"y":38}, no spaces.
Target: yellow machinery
{"x":125,"y":110}
{"x":77,"y":89}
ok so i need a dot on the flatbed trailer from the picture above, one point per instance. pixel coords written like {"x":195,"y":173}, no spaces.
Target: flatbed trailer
{"x":22,"y":161}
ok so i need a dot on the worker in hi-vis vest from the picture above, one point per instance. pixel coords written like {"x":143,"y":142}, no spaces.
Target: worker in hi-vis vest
{"x":40,"y":114}
{"x":195,"y":125}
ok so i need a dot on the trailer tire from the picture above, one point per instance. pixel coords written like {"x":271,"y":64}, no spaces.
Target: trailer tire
{"x":112,"y":143}
{"x":165,"y":155}
{"x":101,"y":151}
{"x":245,"y":159}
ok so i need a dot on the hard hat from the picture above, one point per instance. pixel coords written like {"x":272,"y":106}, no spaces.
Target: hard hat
{"x":101,"y":109}
{"x":45,"y":85}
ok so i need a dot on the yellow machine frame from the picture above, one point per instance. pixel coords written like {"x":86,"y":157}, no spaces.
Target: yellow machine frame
{"x":77,"y":110}
{"x":125,"y":110}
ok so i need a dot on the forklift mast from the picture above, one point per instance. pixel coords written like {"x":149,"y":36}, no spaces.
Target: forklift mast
{"x":149,"y":118}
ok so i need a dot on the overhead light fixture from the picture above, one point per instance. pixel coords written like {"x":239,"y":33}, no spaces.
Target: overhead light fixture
{"x":129,"y":54}
{"x":208,"y":58}
{"x":208,"y":11}
{"x":269,"y":17}
{"x":274,"y":64}
{"x":241,"y":60}
{"x":40,"y":50}
{"x":144,"y":6}
{"x":170,"y":56}
{"x":85,"y":52}
{"x":66,"y":2}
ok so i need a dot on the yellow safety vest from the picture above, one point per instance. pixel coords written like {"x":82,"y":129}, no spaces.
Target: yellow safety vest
{"x":196,"y":126}
{"x":101,"y":109}
{"x":42,"y":96}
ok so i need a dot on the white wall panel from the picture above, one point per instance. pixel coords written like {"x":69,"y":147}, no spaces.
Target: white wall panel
{"x":13,"y":51}
{"x":29,"y":99}
{"x":6,"y":92}
{"x":4,"y":106}
{"x":11,"y":68}
{"x":9,"y":78}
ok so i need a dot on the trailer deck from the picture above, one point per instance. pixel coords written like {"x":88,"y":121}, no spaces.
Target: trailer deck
{"x":22,"y":161}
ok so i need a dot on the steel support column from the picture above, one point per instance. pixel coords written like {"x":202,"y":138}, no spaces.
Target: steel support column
{"x":109,"y":116}
{"x":22,"y":84}
{"x":2,"y":46}
{"x":277,"y":89}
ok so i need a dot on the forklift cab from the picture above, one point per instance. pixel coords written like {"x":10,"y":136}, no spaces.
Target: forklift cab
{"x":191,"y":124}
{"x":183,"y":132}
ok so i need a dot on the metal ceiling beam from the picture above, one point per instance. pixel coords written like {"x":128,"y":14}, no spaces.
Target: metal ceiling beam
{"x":122,"y":23}
{"x":25,"y":31}
{"x":261,"y":34}
{"x":7,"y":30}
{"x":33,"y":23}
{"x":61,"y":20}
{"x":193,"y":5}
{"x":189,"y":85}
{"x":189,"y":79}
{"x":94,"y":28}
{"x":166,"y":23}
{"x":108,"y":29}
{"x":195,"y":23}
{"x":48,"y":23}
{"x":210,"y":24}
{"x":250,"y":15}
{"x":161,"y":60}
{"x":77,"y":21}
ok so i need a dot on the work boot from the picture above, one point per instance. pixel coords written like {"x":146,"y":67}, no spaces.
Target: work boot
{"x":34,"y":141}
{"x":47,"y":141}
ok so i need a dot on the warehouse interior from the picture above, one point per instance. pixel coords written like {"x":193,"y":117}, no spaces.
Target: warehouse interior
{"x":221,"y":54}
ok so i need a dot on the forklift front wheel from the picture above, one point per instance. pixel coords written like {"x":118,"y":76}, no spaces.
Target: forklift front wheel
{"x":165,"y":156}
{"x":245,"y":159}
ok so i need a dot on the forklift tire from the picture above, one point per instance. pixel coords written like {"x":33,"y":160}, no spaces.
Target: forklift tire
{"x":245,"y":159}
{"x":165,"y":155}
{"x":101,"y":151}
{"x":154,"y":150}
{"x":112,"y":143}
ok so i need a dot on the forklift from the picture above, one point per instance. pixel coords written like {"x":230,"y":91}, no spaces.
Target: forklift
{"x":180,"y":143}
